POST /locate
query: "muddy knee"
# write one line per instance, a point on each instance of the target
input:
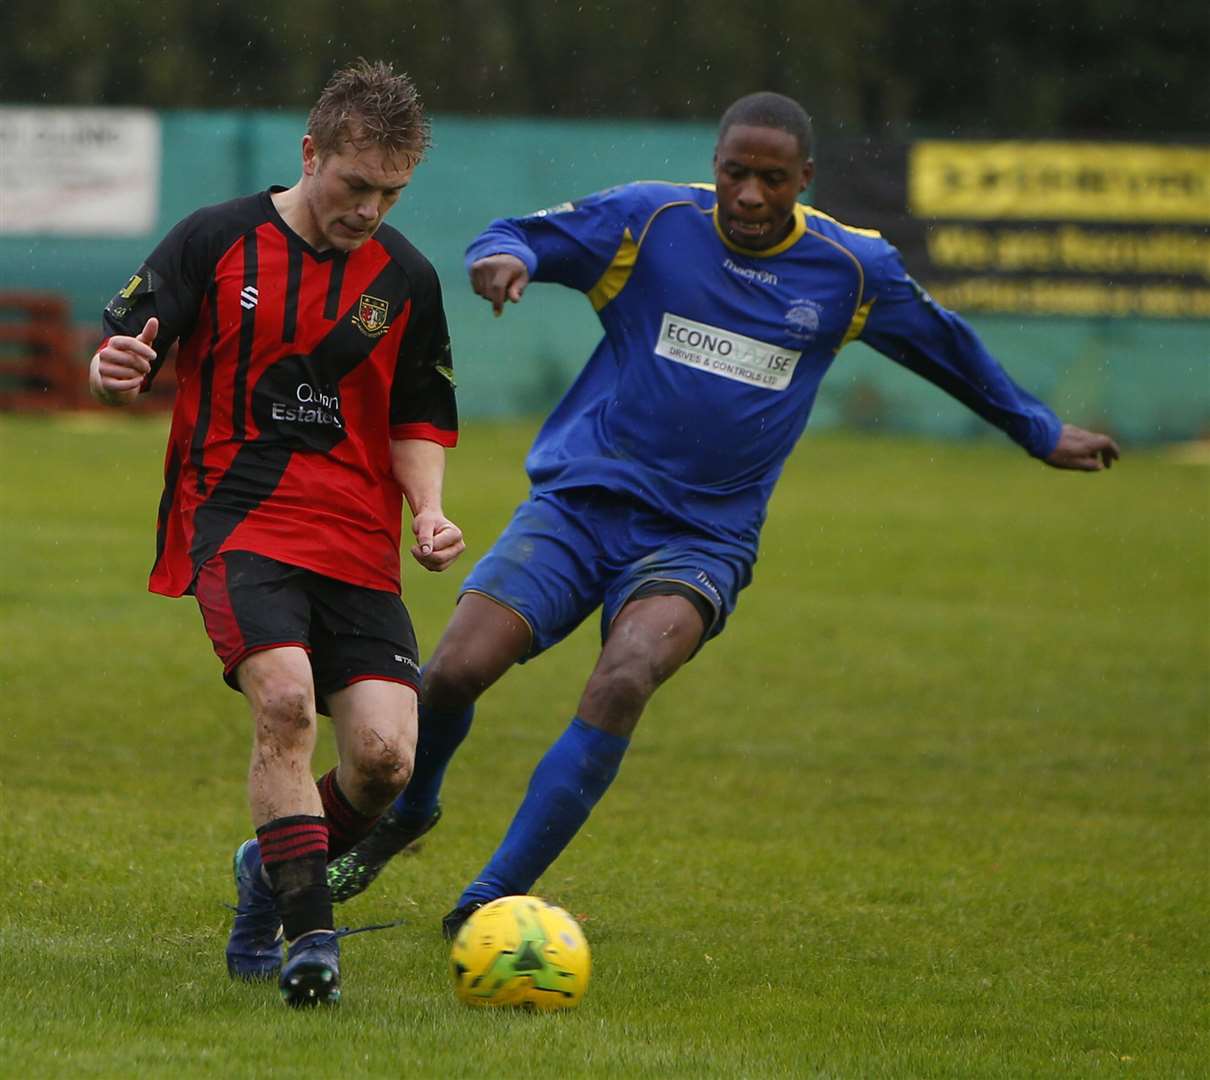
(284, 714)
(383, 769)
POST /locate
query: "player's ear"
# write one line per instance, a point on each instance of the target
(808, 174)
(310, 156)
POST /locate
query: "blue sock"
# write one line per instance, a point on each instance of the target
(566, 785)
(439, 736)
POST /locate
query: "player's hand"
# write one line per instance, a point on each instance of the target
(1086, 451)
(498, 278)
(438, 540)
(119, 368)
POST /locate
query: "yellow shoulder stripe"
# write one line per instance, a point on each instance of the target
(848, 228)
(620, 267)
(610, 283)
(857, 324)
(861, 311)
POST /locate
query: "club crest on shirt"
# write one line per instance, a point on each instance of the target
(802, 319)
(371, 315)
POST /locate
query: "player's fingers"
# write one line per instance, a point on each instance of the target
(446, 535)
(150, 329)
(423, 528)
(123, 366)
(491, 288)
(517, 287)
(443, 558)
(129, 350)
(127, 382)
(428, 559)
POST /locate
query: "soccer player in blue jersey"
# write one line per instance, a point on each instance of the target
(723, 307)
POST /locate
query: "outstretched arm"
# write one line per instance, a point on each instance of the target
(1087, 451)
(907, 325)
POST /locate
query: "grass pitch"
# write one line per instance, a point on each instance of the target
(935, 805)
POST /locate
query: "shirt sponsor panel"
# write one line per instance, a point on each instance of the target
(725, 353)
(314, 406)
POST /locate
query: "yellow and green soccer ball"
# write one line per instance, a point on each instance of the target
(520, 950)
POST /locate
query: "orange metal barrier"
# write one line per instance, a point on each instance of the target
(44, 357)
(41, 366)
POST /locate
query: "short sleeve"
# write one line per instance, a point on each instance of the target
(423, 405)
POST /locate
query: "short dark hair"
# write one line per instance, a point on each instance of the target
(766, 109)
(368, 103)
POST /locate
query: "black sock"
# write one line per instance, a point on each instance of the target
(294, 851)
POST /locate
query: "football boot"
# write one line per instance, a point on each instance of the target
(254, 948)
(311, 974)
(452, 922)
(353, 872)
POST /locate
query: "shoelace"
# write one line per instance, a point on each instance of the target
(345, 931)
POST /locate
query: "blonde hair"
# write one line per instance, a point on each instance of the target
(367, 103)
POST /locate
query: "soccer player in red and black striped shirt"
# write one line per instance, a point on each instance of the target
(314, 395)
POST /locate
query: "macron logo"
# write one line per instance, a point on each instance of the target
(248, 298)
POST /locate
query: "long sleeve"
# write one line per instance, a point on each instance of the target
(905, 324)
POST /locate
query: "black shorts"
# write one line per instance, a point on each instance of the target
(250, 603)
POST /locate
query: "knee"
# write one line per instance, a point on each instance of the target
(384, 768)
(450, 683)
(284, 713)
(616, 696)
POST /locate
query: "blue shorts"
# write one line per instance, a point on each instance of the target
(567, 552)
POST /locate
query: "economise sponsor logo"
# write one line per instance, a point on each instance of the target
(725, 353)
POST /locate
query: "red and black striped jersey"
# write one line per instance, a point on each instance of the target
(296, 368)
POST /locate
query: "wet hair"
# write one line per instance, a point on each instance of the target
(368, 104)
(769, 110)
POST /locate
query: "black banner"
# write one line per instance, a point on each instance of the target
(1081, 229)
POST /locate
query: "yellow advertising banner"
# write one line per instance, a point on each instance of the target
(1059, 181)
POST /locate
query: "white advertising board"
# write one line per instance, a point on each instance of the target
(78, 172)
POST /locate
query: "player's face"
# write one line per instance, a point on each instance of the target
(759, 172)
(349, 191)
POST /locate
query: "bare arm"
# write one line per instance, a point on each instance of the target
(419, 469)
(1087, 451)
(117, 370)
(498, 278)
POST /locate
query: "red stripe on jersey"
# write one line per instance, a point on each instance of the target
(425, 431)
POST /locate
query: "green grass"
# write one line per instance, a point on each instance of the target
(934, 806)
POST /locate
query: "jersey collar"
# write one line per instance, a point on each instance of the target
(796, 230)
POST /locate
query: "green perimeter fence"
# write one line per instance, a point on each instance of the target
(1147, 380)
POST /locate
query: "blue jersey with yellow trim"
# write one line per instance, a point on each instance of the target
(712, 354)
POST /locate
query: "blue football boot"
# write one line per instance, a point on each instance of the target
(254, 949)
(311, 975)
